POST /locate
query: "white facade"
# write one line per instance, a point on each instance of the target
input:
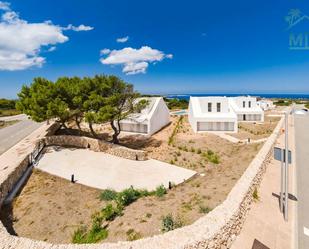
(151, 119)
(246, 109)
(266, 104)
(211, 114)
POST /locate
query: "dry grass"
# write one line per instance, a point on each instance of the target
(4, 124)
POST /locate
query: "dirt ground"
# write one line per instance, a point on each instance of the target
(50, 208)
(4, 124)
(256, 130)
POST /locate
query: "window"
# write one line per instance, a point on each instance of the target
(249, 104)
(218, 107)
(209, 107)
(244, 104)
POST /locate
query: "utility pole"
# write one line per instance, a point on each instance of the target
(286, 167)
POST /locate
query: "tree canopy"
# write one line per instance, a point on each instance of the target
(96, 100)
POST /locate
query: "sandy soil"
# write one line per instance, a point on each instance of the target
(256, 130)
(188, 201)
(50, 208)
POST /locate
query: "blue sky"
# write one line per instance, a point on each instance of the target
(189, 46)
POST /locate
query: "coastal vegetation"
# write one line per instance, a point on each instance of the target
(97, 100)
(175, 103)
(7, 107)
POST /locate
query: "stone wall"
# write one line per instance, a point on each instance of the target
(216, 230)
(96, 145)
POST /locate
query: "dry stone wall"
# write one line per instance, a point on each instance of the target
(216, 230)
(96, 145)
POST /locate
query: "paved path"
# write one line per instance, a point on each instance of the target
(302, 162)
(101, 170)
(264, 221)
(12, 134)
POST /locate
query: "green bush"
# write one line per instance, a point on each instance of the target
(127, 196)
(160, 191)
(108, 195)
(133, 235)
(204, 209)
(170, 223)
(211, 157)
(109, 212)
(95, 234)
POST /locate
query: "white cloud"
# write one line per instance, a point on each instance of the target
(122, 39)
(105, 51)
(51, 49)
(81, 27)
(134, 61)
(21, 42)
(4, 6)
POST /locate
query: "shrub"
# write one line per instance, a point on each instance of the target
(204, 209)
(171, 161)
(160, 191)
(148, 215)
(95, 234)
(109, 212)
(108, 195)
(255, 194)
(211, 157)
(199, 151)
(170, 223)
(127, 196)
(133, 235)
(192, 149)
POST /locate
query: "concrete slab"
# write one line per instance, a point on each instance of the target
(102, 171)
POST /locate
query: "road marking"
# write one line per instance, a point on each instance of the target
(306, 231)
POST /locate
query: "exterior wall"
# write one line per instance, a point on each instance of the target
(214, 100)
(239, 101)
(96, 145)
(159, 118)
(191, 118)
(216, 230)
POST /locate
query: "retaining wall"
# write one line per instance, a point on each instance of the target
(96, 145)
(215, 230)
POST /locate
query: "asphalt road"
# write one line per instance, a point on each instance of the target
(302, 162)
(12, 134)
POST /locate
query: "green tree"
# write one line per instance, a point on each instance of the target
(34, 99)
(120, 102)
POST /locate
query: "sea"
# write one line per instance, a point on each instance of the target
(261, 95)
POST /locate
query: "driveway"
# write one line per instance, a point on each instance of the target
(102, 171)
(11, 135)
(302, 162)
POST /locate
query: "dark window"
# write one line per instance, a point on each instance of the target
(249, 104)
(244, 104)
(209, 107)
(218, 107)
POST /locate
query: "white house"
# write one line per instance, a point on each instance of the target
(246, 109)
(266, 104)
(151, 119)
(211, 114)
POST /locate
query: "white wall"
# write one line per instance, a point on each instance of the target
(239, 101)
(213, 100)
(159, 118)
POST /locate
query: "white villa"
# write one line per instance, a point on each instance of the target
(211, 114)
(266, 104)
(151, 119)
(246, 109)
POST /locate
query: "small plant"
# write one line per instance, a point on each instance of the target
(95, 234)
(133, 235)
(204, 209)
(178, 153)
(127, 196)
(169, 223)
(192, 149)
(255, 194)
(108, 195)
(199, 151)
(109, 213)
(160, 191)
(148, 215)
(171, 161)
